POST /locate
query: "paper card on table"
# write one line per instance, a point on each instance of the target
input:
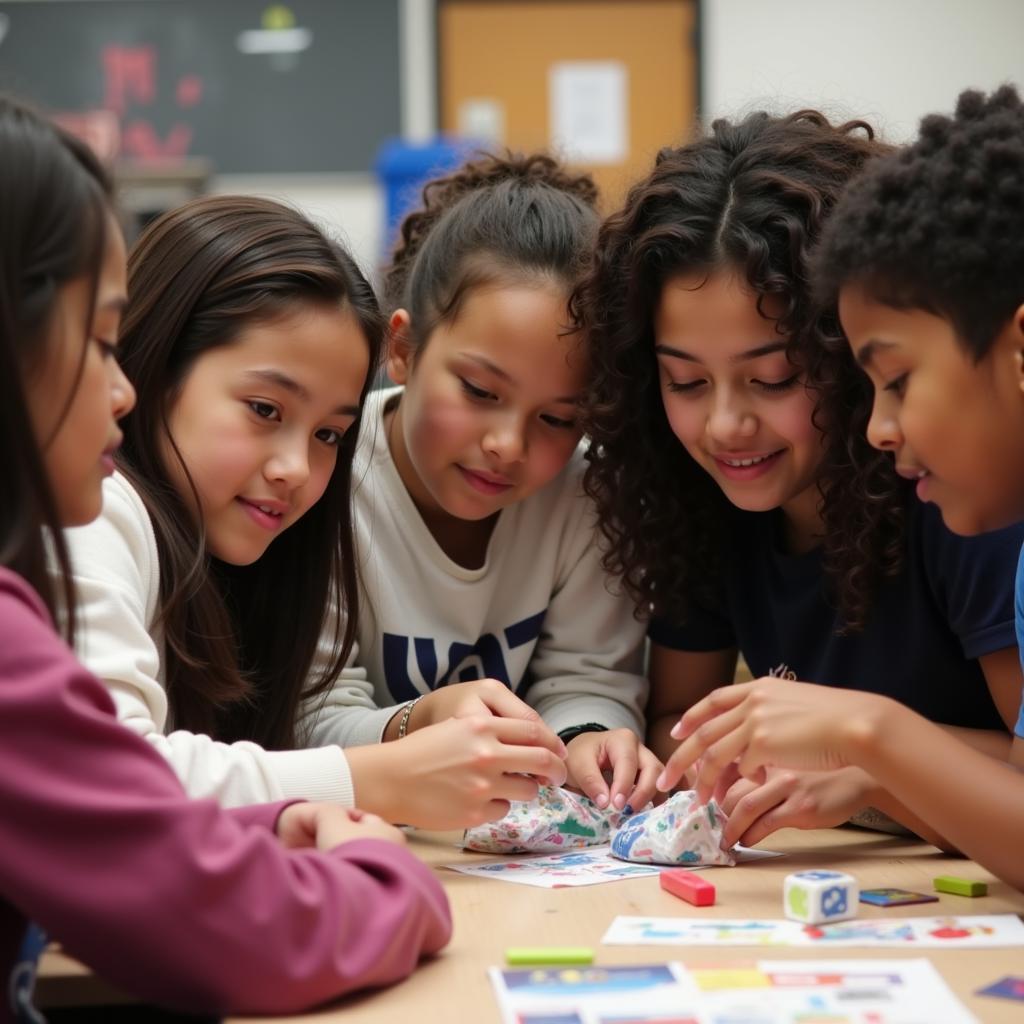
(635, 994)
(1006, 988)
(589, 866)
(768, 992)
(977, 931)
(895, 897)
(881, 991)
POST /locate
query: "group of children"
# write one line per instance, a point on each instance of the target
(426, 600)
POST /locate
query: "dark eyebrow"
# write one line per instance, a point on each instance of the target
(282, 380)
(499, 372)
(866, 353)
(114, 305)
(754, 353)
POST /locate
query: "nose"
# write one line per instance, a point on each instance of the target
(122, 393)
(884, 427)
(730, 420)
(289, 460)
(505, 439)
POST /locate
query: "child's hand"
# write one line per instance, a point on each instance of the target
(325, 826)
(465, 700)
(770, 721)
(633, 768)
(791, 799)
(458, 773)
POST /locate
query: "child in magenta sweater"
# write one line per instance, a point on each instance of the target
(198, 908)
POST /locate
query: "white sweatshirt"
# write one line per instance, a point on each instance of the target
(540, 614)
(117, 576)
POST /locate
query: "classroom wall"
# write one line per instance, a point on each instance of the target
(888, 60)
(350, 206)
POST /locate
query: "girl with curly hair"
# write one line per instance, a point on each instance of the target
(926, 255)
(743, 503)
(483, 593)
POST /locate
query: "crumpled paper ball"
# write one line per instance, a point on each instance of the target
(554, 821)
(679, 831)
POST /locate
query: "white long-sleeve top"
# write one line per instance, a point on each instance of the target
(117, 576)
(541, 614)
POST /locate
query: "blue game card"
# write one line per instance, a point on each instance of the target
(1006, 988)
(895, 897)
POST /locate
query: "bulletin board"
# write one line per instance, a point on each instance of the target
(253, 87)
(629, 66)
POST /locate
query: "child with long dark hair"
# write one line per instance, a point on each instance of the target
(743, 502)
(483, 590)
(171, 899)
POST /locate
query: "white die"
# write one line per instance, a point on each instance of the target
(815, 897)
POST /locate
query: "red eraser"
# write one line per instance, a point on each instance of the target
(688, 886)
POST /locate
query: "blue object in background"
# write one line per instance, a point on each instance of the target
(405, 167)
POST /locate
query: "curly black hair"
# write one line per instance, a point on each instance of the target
(939, 225)
(751, 195)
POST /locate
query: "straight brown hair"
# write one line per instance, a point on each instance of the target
(239, 641)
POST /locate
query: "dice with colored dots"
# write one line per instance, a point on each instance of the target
(816, 897)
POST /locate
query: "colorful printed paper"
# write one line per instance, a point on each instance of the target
(559, 870)
(574, 868)
(976, 931)
(556, 820)
(681, 831)
(767, 992)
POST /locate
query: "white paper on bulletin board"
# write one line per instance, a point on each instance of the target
(588, 108)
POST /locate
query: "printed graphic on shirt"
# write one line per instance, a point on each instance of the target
(412, 665)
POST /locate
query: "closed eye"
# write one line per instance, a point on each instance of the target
(558, 422)
(108, 349)
(474, 392)
(898, 385)
(685, 387)
(778, 386)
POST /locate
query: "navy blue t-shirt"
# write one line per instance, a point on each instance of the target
(953, 603)
(1019, 617)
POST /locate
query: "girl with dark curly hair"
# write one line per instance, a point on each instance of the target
(743, 503)
(926, 254)
(483, 588)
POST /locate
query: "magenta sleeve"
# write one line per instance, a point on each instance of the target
(174, 900)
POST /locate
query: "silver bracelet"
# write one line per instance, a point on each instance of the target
(403, 722)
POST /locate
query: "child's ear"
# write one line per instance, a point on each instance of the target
(400, 348)
(1017, 327)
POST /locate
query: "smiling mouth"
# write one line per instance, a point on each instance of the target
(484, 482)
(265, 509)
(753, 461)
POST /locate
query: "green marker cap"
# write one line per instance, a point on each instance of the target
(549, 955)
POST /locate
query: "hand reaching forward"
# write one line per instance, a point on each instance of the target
(458, 773)
(771, 722)
(633, 768)
(790, 799)
(324, 826)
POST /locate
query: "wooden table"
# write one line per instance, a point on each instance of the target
(492, 915)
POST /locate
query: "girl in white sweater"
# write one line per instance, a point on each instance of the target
(482, 585)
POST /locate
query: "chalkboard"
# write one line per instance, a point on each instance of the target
(308, 85)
